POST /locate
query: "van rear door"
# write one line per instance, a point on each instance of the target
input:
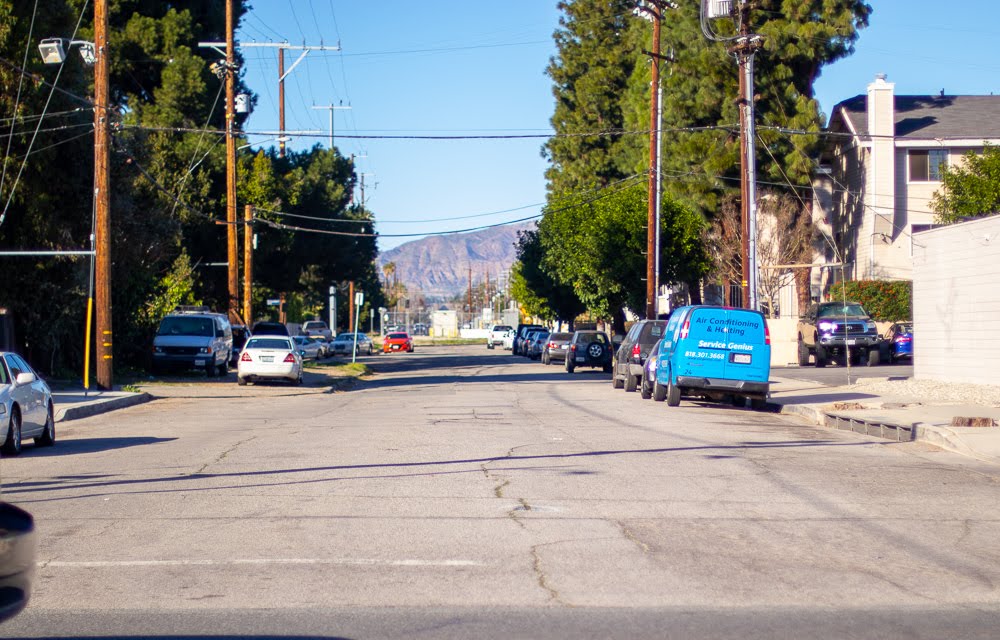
(748, 350)
(701, 345)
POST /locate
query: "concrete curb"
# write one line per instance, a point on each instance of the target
(947, 439)
(99, 407)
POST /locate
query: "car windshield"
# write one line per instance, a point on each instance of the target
(396, 336)
(904, 328)
(314, 325)
(346, 336)
(268, 343)
(181, 326)
(840, 310)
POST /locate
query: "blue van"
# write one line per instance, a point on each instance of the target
(716, 352)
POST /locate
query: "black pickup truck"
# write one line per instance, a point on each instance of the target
(837, 331)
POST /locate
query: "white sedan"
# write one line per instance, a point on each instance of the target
(269, 358)
(25, 405)
(307, 347)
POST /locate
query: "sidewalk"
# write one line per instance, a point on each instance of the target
(73, 404)
(865, 408)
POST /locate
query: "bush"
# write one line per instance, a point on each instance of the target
(886, 301)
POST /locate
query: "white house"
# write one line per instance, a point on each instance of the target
(879, 169)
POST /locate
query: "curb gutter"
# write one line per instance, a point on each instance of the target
(96, 408)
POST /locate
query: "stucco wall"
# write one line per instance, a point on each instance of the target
(956, 301)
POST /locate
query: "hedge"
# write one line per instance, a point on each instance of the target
(885, 301)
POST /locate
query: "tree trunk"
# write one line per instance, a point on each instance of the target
(694, 292)
(803, 289)
(618, 322)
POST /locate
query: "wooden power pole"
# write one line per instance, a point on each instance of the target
(232, 252)
(102, 185)
(248, 265)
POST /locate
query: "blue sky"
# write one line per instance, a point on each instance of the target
(477, 68)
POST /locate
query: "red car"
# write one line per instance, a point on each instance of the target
(397, 342)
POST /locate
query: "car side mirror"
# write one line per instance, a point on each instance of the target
(302, 352)
(25, 378)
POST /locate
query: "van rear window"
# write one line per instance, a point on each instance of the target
(725, 326)
(181, 326)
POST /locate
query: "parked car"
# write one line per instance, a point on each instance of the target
(266, 328)
(556, 347)
(497, 334)
(307, 348)
(508, 340)
(526, 342)
(398, 341)
(714, 352)
(519, 335)
(240, 336)
(649, 371)
(17, 559)
(267, 357)
(26, 409)
(633, 351)
(313, 328)
(344, 342)
(899, 342)
(321, 342)
(421, 329)
(831, 330)
(537, 344)
(589, 349)
(193, 338)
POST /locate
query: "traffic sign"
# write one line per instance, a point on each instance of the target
(273, 302)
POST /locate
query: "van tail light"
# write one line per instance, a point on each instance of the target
(685, 328)
(290, 357)
(636, 352)
(246, 357)
(767, 334)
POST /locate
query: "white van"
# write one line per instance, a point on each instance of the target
(193, 338)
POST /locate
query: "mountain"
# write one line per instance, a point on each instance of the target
(438, 266)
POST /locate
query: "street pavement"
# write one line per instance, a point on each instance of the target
(829, 401)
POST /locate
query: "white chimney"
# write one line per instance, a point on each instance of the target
(881, 107)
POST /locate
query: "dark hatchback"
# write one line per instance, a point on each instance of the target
(632, 354)
(589, 349)
(556, 347)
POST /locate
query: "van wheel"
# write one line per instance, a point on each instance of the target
(631, 382)
(210, 368)
(758, 404)
(224, 368)
(659, 392)
(673, 394)
(820, 357)
(803, 354)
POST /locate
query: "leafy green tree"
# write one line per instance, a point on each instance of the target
(589, 74)
(970, 189)
(535, 288)
(598, 247)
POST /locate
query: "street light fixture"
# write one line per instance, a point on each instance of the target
(53, 51)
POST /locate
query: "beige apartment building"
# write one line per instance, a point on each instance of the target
(879, 170)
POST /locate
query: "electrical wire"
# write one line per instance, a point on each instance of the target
(17, 100)
(48, 100)
(192, 165)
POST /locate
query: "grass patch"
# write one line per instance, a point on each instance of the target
(346, 370)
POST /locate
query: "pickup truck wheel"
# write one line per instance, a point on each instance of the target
(874, 358)
(820, 357)
(803, 354)
(631, 382)
(615, 382)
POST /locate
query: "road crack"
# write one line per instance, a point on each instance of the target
(222, 456)
(630, 535)
(542, 578)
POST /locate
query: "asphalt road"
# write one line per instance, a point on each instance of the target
(836, 376)
(466, 493)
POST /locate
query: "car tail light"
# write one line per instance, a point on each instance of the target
(636, 351)
(290, 357)
(572, 347)
(246, 357)
(685, 329)
(552, 345)
(767, 334)
(903, 339)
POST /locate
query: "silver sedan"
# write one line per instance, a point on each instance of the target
(25, 406)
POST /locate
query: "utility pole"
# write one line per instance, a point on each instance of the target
(744, 46)
(470, 295)
(102, 188)
(281, 101)
(247, 264)
(331, 108)
(652, 10)
(232, 250)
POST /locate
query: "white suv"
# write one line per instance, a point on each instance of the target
(317, 328)
(497, 334)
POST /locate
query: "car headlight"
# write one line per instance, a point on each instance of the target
(827, 326)
(870, 326)
(3, 409)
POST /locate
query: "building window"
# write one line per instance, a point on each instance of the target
(926, 164)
